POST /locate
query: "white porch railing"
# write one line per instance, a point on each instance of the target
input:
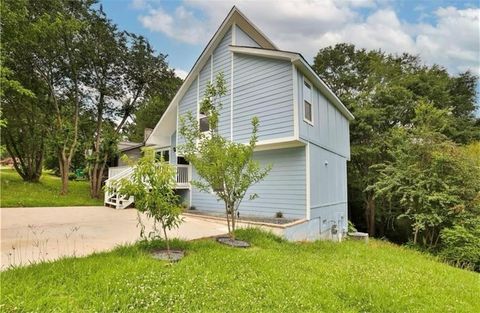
(113, 171)
(111, 196)
(183, 176)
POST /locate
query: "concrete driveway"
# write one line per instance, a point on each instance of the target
(39, 234)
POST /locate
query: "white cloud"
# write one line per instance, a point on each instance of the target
(182, 25)
(307, 26)
(381, 30)
(181, 73)
(139, 4)
(454, 41)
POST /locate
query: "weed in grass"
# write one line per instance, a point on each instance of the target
(21, 254)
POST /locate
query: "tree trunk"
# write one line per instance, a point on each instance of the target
(166, 239)
(28, 164)
(228, 218)
(64, 166)
(96, 178)
(232, 213)
(370, 215)
(95, 183)
(415, 235)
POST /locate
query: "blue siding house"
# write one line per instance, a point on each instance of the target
(303, 132)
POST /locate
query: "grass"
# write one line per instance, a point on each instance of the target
(271, 276)
(17, 193)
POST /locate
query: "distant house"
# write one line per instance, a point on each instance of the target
(303, 133)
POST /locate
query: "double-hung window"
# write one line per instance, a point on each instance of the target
(203, 122)
(307, 103)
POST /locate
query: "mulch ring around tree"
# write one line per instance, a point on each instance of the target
(164, 255)
(233, 242)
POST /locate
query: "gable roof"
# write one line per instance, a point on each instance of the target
(267, 49)
(234, 17)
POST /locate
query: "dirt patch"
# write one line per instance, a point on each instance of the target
(233, 242)
(171, 256)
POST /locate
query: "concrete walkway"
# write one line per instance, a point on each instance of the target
(37, 234)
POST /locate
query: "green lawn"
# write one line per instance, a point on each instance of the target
(17, 193)
(271, 276)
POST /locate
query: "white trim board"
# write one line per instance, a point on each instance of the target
(234, 40)
(307, 181)
(296, 127)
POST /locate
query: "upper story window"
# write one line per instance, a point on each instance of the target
(307, 103)
(203, 121)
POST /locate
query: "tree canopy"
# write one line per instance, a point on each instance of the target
(75, 81)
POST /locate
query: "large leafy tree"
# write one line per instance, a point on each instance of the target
(43, 48)
(123, 72)
(428, 178)
(104, 50)
(382, 91)
(226, 168)
(86, 79)
(21, 92)
(59, 62)
(147, 116)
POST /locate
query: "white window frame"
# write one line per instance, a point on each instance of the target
(200, 117)
(310, 101)
(162, 150)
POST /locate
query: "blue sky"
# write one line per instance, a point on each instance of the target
(444, 32)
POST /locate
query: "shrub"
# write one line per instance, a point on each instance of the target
(72, 176)
(461, 245)
(351, 227)
(152, 185)
(279, 214)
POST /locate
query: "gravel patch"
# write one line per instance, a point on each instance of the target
(172, 256)
(248, 218)
(233, 242)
